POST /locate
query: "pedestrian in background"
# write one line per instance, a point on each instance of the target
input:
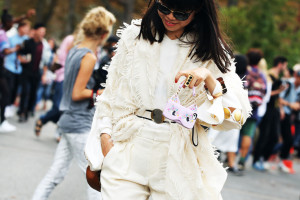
(58, 68)
(288, 105)
(296, 144)
(256, 83)
(75, 122)
(269, 127)
(36, 53)
(7, 22)
(45, 87)
(13, 66)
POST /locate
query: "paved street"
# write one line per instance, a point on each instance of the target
(24, 160)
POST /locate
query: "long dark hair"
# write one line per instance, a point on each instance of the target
(209, 42)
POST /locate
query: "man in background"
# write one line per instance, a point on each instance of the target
(35, 56)
(13, 66)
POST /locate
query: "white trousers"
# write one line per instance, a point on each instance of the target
(225, 141)
(70, 146)
(136, 170)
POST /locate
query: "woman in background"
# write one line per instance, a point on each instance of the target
(75, 122)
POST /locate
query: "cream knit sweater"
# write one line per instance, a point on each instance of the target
(192, 172)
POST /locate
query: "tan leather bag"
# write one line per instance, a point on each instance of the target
(93, 179)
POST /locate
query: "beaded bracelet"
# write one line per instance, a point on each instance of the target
(224, 89)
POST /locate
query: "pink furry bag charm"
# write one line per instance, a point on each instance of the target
(185, 116)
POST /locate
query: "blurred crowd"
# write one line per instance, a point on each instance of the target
(272, 133)
(32, 70)
(32, 73)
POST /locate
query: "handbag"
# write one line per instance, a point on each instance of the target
(93, 179)
(185, 116)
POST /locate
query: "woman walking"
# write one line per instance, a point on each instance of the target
(75, 122)
(145, 154)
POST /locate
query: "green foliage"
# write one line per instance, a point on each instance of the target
(269, 25)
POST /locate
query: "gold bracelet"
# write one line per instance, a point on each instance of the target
(217, 95)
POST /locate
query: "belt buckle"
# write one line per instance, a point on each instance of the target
(157, 116)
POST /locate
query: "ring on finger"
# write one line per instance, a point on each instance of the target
(188, 80)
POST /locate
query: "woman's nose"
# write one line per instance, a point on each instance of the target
(171, 16)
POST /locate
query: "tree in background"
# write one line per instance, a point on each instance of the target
(272, 26)
(42, 14)
(61, 17)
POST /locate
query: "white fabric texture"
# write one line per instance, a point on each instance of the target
(131, 87)
(71, 146)
(168, 53)
(263, 107)
(225, 141)
(146, 151)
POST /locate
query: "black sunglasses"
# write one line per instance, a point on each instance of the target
(181, 16)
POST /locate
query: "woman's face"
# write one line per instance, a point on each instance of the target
(174, 27)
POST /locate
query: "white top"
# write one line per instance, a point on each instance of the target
(168, 53)
(263, 107)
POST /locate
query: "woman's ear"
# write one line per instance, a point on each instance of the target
(103, 38)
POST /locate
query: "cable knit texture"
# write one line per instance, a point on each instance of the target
(192, 172)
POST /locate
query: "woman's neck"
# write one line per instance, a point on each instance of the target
(174, 35)
(90, 44)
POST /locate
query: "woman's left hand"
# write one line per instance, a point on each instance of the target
(199, 75)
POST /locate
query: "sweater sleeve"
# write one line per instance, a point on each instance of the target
(116, 102)
(230, 110)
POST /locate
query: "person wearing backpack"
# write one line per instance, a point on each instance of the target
(257, 87)
(269, 126)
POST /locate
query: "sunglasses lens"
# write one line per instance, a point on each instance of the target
(181, 16)
(163, 9)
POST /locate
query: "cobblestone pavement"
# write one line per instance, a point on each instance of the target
(24, 160)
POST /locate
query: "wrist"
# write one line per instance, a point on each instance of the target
(210, 82)
(105, 137)
(209, 78)
(218, 91)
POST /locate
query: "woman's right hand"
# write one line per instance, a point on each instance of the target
(106, 143)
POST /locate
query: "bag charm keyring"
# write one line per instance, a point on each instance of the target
(185, 116)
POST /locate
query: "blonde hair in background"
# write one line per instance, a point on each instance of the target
(97, 22)
(263, 66)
